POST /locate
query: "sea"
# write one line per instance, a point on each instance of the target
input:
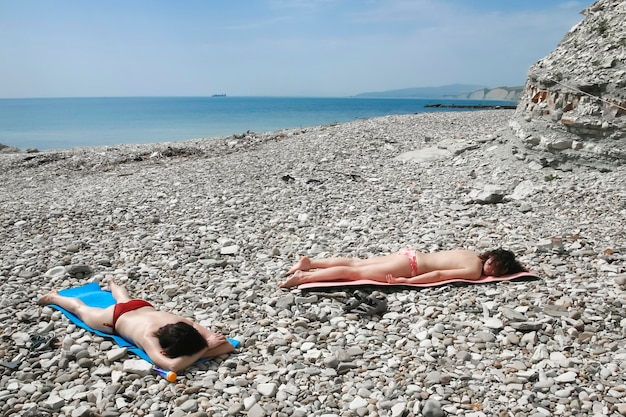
(61, 123)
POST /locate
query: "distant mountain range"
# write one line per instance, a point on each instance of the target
(458, 91)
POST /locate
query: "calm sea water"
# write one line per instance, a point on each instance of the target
(58, 123)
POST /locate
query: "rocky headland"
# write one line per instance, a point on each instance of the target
(207, 229)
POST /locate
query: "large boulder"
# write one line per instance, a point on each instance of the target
(573, 107)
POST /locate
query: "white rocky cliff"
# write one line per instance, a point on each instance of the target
(573, 108)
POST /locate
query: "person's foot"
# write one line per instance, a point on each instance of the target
(293, 281)
(304, 264)
(112, 285)
(48, 298)
(109, 282)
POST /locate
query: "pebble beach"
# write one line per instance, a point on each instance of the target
(207, 229)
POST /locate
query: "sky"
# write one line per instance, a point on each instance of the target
(311, 48)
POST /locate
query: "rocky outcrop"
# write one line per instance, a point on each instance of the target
(573, 108)
(8, 149)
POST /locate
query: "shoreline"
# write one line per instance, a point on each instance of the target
(113, 121)
(477, 106)
(207, 229)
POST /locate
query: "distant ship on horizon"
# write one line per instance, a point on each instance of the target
(218, 95)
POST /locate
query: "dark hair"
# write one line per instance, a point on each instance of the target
(180, 339)
(504, 262)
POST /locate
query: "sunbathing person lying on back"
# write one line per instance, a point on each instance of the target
(172, 342)
(406, 266)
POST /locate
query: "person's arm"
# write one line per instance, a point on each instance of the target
(442, 275)
(214, 340)
(217, 344)
(154, 350)
(152, 347)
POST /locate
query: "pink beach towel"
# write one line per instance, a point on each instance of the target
(482, 280)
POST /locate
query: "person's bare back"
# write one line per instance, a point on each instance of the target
(138, 325)
(460, 259)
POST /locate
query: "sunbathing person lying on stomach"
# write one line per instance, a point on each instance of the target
(406, 266)
(172, 342)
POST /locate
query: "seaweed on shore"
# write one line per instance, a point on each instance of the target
(168, 152)
(42, 159)
(77, 161)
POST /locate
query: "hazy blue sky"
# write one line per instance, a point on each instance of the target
(78, 48)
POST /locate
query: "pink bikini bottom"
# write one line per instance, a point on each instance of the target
(412, 256)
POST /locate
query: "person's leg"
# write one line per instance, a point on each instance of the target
(118, 292)
(305, 263)
(96, 318)
(377, 269)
